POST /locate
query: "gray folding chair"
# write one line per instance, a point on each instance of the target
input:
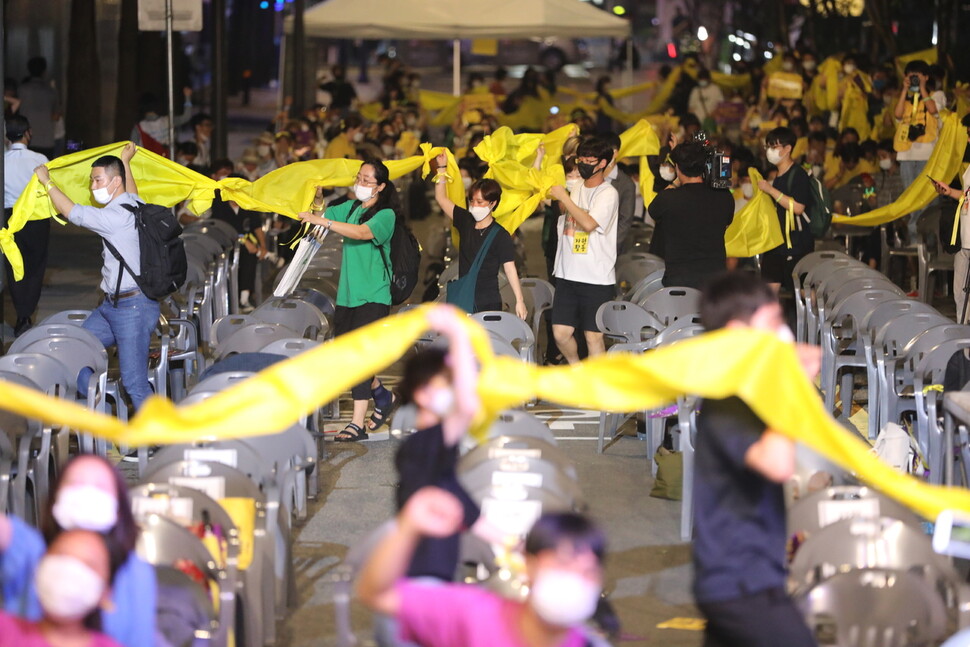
(812, 279)
(517, 423)
(224, 327)
(514, 330)
(72, 317)
(631, 272)
(802, 298)
(816, 510)
(302, 316)
(668, 305)
(626, 322)
(251, 338)
(647, 286)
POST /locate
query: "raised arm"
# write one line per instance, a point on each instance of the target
(441, 187)
(126, 154)
(429, 512)
(464, 369)
(62, 203)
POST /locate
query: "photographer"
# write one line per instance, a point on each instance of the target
(916, 129)
(791, 190)
(691, 221)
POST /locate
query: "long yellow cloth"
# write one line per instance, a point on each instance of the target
(641, 140)
(944, 163)
(287, 191)
(757, 367)
(755, 228)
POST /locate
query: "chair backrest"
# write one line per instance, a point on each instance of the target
(809, 261)
(213, 248)
(302, 316)
(49, 374)
(517, 423)
(197, 506)
(633, 271)
(251, 338)
(47, 331)
(323, 301)
(224, 233)
(647, 286)
(542, 292)
(224, 327)
(214, 383)
(886, 312)
(670, 304)
(858, 305)
(895, 336)
(833, 294)
(72, 317)
(73, 353)
(507, 326)
(626, 322)
(290, 346)
(930, 338)
(678, 331)
(814, 511)
(231, 481)
(515, 447)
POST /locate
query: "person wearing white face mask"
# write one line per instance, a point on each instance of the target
(480, 235)
(366, 223)
(90, 495)
(73, 583)
(739, 583)
(125, 318)
(704, 99)
(793, 195)
(564, 563)
(344, 145)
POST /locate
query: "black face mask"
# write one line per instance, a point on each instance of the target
(586, 171)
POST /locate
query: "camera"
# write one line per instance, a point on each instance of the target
(913, 83)
(717, 165)
(916, 131)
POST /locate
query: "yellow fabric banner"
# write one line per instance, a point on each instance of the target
(944, 163)
(757, 367)
(755, 227)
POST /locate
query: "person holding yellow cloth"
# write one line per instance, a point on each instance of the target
(961, 260)
(364, 292)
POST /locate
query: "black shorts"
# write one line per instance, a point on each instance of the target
(346, 320)
(575, 303)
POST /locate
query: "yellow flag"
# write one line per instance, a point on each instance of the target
(755, 227)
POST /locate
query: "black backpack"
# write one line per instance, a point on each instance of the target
(163, 263)
(404, 261)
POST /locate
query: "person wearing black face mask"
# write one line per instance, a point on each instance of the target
(690, 222)
(586, 253)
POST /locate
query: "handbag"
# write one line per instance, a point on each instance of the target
(461, 291)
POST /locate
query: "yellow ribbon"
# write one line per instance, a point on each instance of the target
(956, 221)
(757, 367)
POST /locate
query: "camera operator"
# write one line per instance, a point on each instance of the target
(916, 128)
(791, 190)
(691, 221)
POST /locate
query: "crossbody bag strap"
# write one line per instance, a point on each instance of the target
(483, 250)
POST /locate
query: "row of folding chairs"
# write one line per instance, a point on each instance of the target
(866, 326)
(864, 572)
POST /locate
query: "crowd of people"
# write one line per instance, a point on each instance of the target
(846, 136)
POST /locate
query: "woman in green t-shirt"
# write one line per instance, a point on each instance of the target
(364, 291)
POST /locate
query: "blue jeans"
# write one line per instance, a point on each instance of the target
(909, 171)
(129, 326)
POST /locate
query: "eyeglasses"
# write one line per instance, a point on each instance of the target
(365, 181)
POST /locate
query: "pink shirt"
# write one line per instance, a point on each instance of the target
(17, 632)
(461, 615)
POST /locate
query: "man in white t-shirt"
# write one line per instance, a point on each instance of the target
(961, 261)
(586, 253)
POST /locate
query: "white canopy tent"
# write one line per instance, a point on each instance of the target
(457, 19)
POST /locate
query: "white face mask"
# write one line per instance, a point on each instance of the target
(788, 66)
(358, 137)
(667, 173)
(747, 190)
(563, 598)
(363, 193)
(466, 182)
(808, 64)
(479, 213)
(387, 150)
(773, 155)
(848, 68)
(102, 195)
(67, 588)
(784, 333)
(572, 183)
(755, 122)
(704, 83)
(262, 150)
(85, 507)
(441, 401)
(885, 163)
(817, 171)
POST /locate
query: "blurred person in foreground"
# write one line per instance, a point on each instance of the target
(564, 563)
(739, 508)
(74, 584)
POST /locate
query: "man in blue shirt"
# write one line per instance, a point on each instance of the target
(739, 509)
(125, 317)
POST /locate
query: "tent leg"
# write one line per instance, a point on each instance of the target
(456, 67)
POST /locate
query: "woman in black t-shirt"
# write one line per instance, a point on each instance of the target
(474, 225)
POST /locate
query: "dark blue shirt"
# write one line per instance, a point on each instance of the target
(739, 516)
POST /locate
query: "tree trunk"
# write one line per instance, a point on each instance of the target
(126, 103)
(83, 105)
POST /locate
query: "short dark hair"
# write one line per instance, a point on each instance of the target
(187, 148)
(419, 370)
(887, 144)
(690, 158)
(919, 66)
(553, 529)
(112, 166)
(612, 139)
(17, 127)
(851, 152)
(37, 66)
(594, 146)
(350, 122)
(197, 119)
(490, 189)
(222, 163)
(733, 296)
(781, 136)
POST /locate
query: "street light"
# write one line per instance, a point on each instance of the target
(702, 33)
